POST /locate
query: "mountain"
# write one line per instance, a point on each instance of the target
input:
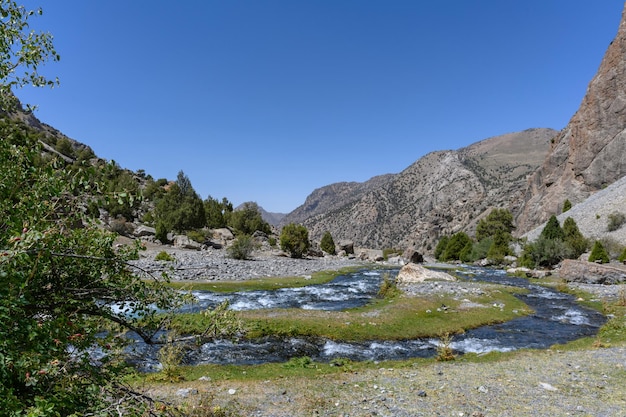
(590, 152)
(441, 193)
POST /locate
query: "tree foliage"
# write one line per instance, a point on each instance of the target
(498, 221)
(575, 240)
(598, 253)
(217, 213)
(552, 229)
(22, 53)
(248, 219)
(181, 208)
(457, 247)
(327, 244)
(567, 205)
(61, 281)
(294, 238)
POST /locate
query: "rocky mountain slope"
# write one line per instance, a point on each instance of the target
(443, 192)
(590, 153)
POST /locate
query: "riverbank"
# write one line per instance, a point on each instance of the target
(525, 383)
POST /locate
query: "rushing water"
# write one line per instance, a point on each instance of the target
(557, 318)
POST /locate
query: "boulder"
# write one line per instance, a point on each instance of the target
(346, 245)
(591, 273)
(414, 273)
(183, 242)
(223, 234)
(143, 230)
(413, 256)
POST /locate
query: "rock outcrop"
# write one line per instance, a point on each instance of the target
(590, 153)
(591, 273)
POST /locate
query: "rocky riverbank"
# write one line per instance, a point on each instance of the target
(215, 265)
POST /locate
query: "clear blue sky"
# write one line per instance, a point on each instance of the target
(266, 100)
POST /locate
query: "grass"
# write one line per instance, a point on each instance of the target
(394, 318)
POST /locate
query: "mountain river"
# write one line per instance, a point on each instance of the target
(557, 318)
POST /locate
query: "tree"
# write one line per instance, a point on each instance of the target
(181, 209)
(248, 219)
(458, 242)
(61, 282)
(242, 247)
(217, 212)
(22, 53)
(567, 205)
(552, 229)
(294, 238)
(598, 253)
(574, 238)
(441, 247)
(497, 221)
(327, 243)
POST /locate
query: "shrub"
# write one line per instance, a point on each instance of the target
(622, 256)
(161, 232)
(388, 288)
(196, 235)
(241, 247)
(598, 253)
(441, 247)
(544, 252)
(567, 205)
(328, 244)
(294, 239)
(164, 256)
(616, 220)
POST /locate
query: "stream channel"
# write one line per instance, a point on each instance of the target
(557, 318)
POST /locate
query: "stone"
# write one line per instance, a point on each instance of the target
(144, 230)
(413, 256)
(414, 273)
(183, 242)
(346, 245)
(224, 234)
(186, 392)
(591, 273)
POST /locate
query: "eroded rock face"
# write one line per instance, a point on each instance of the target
(591, 273)
(590, 153)
(413, 273)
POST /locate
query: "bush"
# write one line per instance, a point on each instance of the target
(441, 247)
(164, 256)
(616, 220)
(294, 239)
(544, 252)
(567, 205)
(622, 256)
(241, 247)
(598, 253)
(328, 244)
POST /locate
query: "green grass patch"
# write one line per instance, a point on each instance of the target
(383, 319)
(261, 284)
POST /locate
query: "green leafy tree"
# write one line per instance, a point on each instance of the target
(248, 219)
(61, 282)
(181, 209)
(294, 238)
(598, 253)
(22, 53)
(217, 213)
(497, 221)
(327, 243)
(622, 256)
(458, 242)
(574, 238)
(552, 229)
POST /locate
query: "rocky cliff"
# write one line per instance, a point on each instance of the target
(443, 192)
(590, 152)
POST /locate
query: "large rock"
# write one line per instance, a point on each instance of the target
(143, 231)
(591, 273)
(588, 154)
(414, 273)
(346, 245)
(413, 256)
(183, 242)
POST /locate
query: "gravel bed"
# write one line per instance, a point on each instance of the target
(215, 265)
